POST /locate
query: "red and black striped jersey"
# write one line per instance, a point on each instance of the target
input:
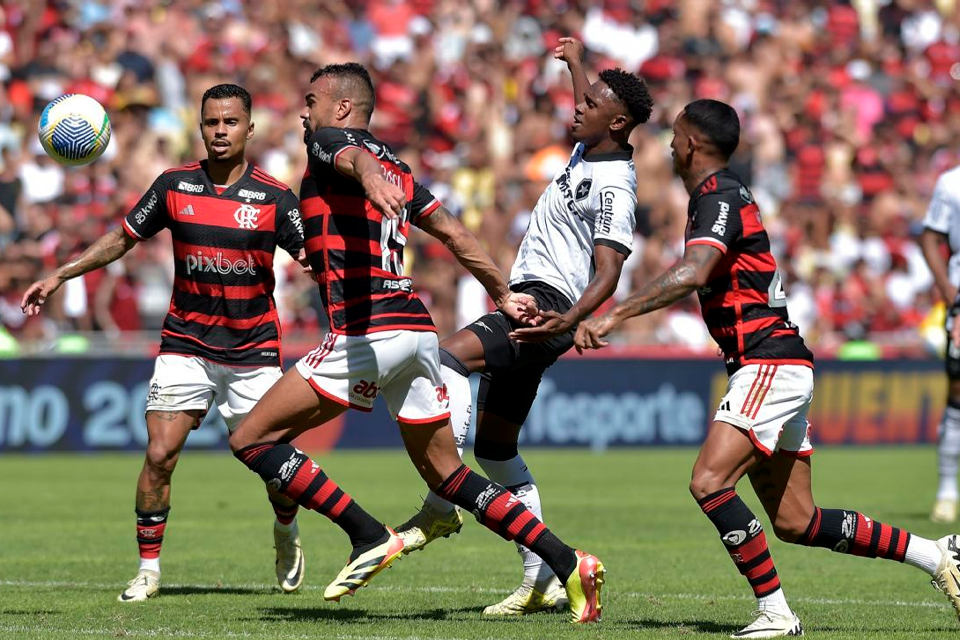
(743, 301)
(222, 307)
(355, 251)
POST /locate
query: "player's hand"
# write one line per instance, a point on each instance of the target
(551, 325)
(305, 265)
(521, 307)
(38, 293)
(570, 50)
(590, 332)
(386, 197)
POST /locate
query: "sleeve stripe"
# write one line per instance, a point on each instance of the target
(130, 230)
(708, 241)
(432, 206)
(619, 247)
(333, 160)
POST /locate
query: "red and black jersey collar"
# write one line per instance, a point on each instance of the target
(233, 188)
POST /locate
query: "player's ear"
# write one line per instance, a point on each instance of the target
(250, 131)
(344, 108)
(618, 122)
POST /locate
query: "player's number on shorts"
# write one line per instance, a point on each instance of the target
(392, 242)
(776, 296)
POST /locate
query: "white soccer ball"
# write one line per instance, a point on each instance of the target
(74, 129)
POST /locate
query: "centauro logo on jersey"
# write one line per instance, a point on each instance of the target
(192, 188)
(605, 219)
(720, 226)
(218, 264)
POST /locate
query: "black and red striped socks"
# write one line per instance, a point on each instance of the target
(292, 473)
(285, 514)
(743, 536)
(504, 514)
(852, 532)
(150, 528)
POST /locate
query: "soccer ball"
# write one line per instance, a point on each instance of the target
(74, 129)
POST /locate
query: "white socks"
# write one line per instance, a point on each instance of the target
(923, 554)
(152, 564)
(948, 453)
(514, 475)
(775, 602)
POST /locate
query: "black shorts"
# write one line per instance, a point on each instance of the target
(953, 360)
(511, 377)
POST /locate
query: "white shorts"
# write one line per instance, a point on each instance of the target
(402, 366)
(770, 402)
(184, 383)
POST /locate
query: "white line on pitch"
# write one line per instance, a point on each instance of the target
(213, 588)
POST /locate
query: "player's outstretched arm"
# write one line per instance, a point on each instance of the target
(571, 51)
(466, 248)
(930, 245)
(388, 198)
(101, 253)
(675, 283)
(609, 264)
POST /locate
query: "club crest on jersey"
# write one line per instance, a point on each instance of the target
(246, 216)
(583, 189)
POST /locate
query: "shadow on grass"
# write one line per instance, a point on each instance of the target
(193, 590)
(699, 626)
(289, 614)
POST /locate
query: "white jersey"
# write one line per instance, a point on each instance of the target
(943, 216)
(593, 201)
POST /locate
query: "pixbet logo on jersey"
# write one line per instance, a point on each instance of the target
(246, 216)
(218, 264)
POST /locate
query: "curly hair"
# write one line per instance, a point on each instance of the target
(631, 90)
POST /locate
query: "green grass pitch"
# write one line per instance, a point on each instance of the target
(67, 547)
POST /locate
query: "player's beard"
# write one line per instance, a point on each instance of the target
(307, 131)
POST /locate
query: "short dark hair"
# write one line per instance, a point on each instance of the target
(224, 91)
(355, 79)
(631, 90)
(716, 120)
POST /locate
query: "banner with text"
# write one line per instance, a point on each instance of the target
(83, 404)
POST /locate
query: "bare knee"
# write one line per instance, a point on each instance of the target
(161, 459)
(705, 482)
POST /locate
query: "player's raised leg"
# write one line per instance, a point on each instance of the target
(428, 438)
(262, 442)
(724, 458)
(948, 444)
(438, 518)
(783, 484)
(238, 391)
(166, 433)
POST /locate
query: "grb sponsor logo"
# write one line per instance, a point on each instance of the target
(252, 195)
(720, 226)
(200, 263)
(148, 207)
(405, 284)
(246, 216)
(190, 188)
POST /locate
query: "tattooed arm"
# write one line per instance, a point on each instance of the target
(675, 283)
(101, 253)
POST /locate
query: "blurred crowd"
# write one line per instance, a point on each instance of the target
(849, 108)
